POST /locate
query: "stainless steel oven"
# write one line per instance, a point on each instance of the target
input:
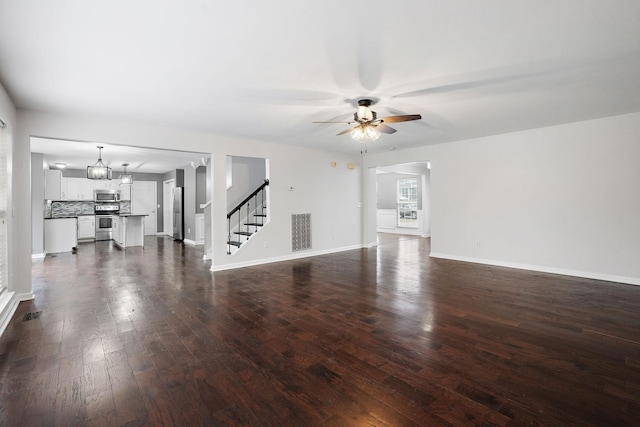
(105, 216)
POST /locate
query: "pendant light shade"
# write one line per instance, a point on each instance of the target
(99, 170)
(125, 178)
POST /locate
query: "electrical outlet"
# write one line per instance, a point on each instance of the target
(477, 243)
(266, 244)
(188, 230)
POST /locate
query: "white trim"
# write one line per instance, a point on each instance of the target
(38, 257)
(407, 231)
(283, 258)
(27, 296)
(189, 242)
(552, 270)
(8, 306)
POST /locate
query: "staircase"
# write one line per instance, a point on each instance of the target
(246, 219)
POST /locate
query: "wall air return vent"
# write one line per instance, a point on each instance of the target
(300, 232)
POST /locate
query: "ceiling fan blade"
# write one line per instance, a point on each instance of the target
(405, 118)
(385, 129)
(347, 131)
(335, 122)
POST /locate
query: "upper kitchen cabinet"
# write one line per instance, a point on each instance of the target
(105, 184)
(78, 188)
(125, 191)
(52, 184)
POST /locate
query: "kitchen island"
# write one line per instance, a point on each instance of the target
(128, 230)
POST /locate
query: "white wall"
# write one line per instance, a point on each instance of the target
(37, 199)
(19, 216)
(248, 173)
(561, 199)
(330, 194)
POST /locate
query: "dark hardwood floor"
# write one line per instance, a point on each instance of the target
(385, 336)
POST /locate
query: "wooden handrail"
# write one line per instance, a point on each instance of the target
(237, 208)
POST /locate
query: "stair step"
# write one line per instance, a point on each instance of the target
(234, 243)
(255, 224)
(242, 233)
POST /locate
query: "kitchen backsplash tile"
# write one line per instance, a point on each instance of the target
(62, 209)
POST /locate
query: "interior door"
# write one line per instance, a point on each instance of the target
(144, 202)
(167, 206)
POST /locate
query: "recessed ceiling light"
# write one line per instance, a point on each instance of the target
(392, 148)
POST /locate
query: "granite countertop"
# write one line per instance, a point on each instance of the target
(61, 217)
(128, 214)
(67, 216)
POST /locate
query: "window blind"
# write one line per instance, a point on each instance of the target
(4, 217)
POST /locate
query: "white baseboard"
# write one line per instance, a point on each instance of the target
(542, 269)
(298, 255)
(37, 257)
(193, 242)
(27, 296)
(409, 231)
(8, 306)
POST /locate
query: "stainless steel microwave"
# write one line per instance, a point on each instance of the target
(106, 195)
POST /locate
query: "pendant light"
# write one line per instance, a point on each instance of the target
(99, 170)
(125, 178)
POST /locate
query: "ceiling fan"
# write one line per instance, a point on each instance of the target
(369, 126)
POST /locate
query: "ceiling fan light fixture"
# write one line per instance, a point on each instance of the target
(358, 134)
(99, 170)
(125, 178)
(365, 132)
(364, 113)
(372, 133)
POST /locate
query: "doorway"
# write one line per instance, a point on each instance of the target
(402, 199)
(167, 206)
(144, 202)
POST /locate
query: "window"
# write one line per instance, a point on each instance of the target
(4, 217)
(408, 202)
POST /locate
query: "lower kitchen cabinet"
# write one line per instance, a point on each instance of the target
(60, 235)
(86, 227)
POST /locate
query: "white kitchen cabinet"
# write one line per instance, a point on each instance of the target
(80, 189)
(52, 184)
(64, 188)
(87, 189)
(74, 188)
(125, 191)
(86, 227)
(60, 235)
(117, 231)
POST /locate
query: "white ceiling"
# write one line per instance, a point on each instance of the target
(266, 70)
(79, 155)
